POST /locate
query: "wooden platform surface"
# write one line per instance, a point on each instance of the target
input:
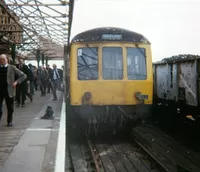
(10, 136)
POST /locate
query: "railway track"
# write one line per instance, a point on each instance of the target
(145, 149)
(111, 154)
(124, 155)
(81, 154)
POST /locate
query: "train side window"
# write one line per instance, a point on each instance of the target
(87, 63)
(136, 63)
(112, 62)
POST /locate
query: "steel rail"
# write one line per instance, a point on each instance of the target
(93, 156)
(152, 156)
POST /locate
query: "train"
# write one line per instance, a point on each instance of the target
(177, 86)
(110, 80)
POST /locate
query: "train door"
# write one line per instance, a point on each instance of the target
(172, 82)
(154, 81)
(160, 80)
(188, 82)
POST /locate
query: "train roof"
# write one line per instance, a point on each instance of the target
(110, 34)
(178, 59)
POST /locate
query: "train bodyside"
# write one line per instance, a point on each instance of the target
(177, 83)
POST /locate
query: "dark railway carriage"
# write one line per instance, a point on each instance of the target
(177, 84)
(111, 79)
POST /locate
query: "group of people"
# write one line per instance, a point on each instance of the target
(16, 79)
(48, 80)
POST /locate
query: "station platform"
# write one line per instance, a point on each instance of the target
(30, 145)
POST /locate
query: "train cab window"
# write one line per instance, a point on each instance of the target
(136, 63)
(112, 62)
(87, 63)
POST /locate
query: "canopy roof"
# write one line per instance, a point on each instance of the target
(34, 25)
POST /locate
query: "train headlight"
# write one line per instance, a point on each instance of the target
(87, 96)
(141, 96)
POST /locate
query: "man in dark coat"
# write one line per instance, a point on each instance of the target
(49, 84)
(7, 86)
(31, 78)
(22, 89)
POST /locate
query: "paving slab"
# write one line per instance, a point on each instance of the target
(25, 147)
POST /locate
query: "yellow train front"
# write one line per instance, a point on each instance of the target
(110, 77)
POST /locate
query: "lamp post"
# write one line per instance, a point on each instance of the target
(42, 59)
(13, 52)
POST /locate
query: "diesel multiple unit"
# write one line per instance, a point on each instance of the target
(111, 77)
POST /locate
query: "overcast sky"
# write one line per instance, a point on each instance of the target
(172, 26)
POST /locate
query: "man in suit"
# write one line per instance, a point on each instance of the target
(7, 86)
(60, 71)
(55, 78)
(31, 79)
(43, 77)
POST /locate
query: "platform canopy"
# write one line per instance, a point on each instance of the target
(36, 26)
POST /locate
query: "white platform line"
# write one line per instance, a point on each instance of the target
(42, 129)
(60, 153)
(40, 118)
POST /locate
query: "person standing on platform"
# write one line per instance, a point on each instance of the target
(7, 86)
(60, 71)
(55, 78)
(31, 79)
(22, 89)
(43, 77)
(49, 84)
